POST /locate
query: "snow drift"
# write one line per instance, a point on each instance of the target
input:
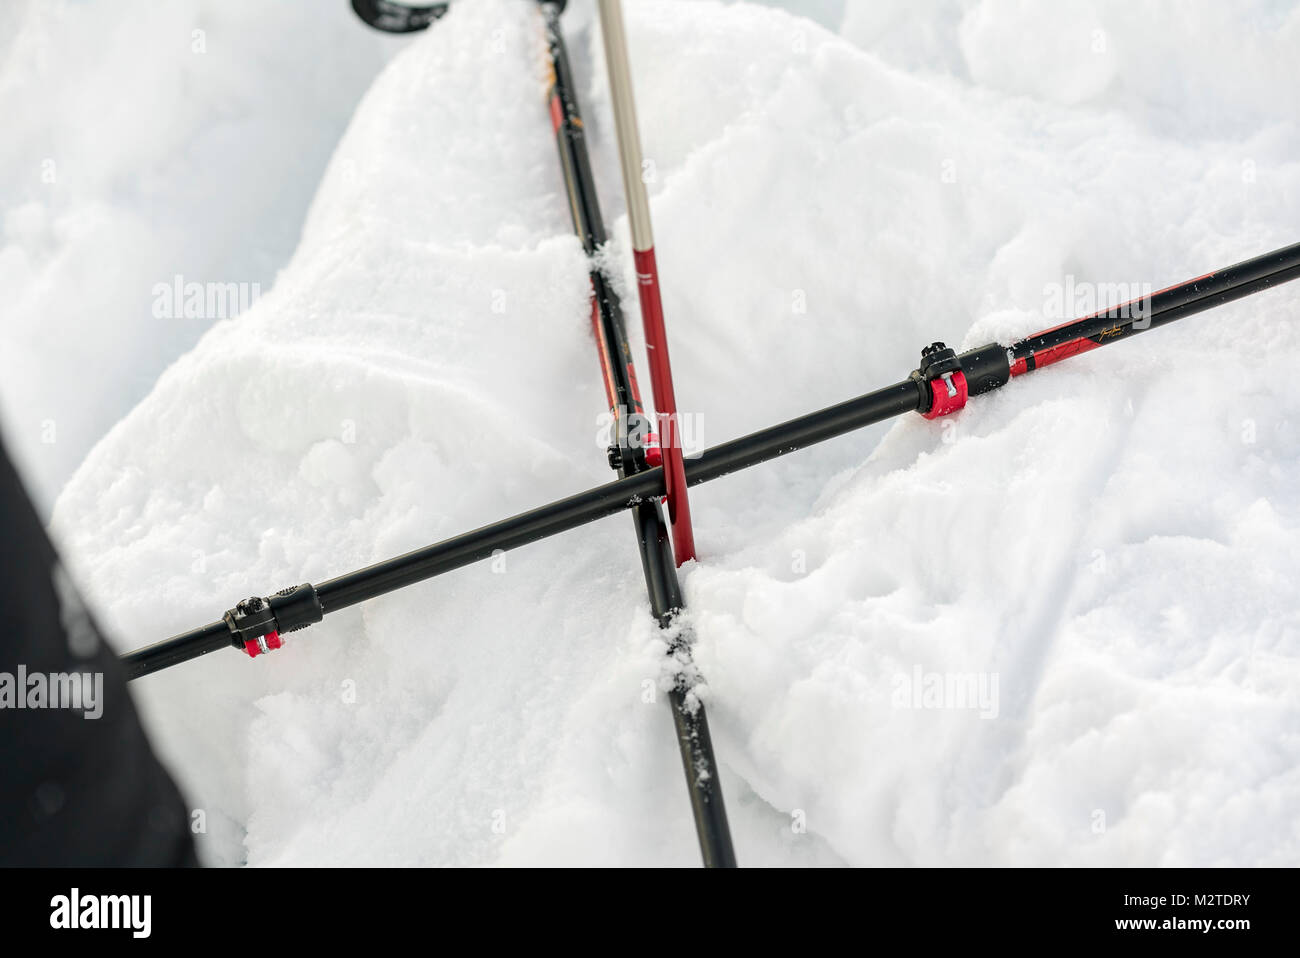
(1102, 552)
(145, 141)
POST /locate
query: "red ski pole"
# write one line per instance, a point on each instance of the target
(647, 275)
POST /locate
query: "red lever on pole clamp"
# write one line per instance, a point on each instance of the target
(263, 644)
(947, 394)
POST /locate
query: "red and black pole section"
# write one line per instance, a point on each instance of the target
(952, 378)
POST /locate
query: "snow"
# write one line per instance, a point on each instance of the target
(146, 141)
(1107, 544)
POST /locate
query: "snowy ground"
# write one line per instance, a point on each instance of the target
(1107, 545)
(144, 141)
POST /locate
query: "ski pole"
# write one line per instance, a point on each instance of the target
(647, 275)
(981, 370)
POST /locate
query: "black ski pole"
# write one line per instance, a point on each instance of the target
(979, 370)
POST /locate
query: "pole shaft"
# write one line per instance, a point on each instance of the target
(1173, 302)
(647, 275)
(625, 125)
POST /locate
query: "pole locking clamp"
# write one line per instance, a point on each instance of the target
(257, 624)
(941, 372)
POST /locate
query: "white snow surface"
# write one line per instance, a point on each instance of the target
(145, 141)
(1109, 543)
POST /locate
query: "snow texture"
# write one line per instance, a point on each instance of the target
(1061, 627)
(145, 141)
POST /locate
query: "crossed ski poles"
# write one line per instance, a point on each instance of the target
(942, 384)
